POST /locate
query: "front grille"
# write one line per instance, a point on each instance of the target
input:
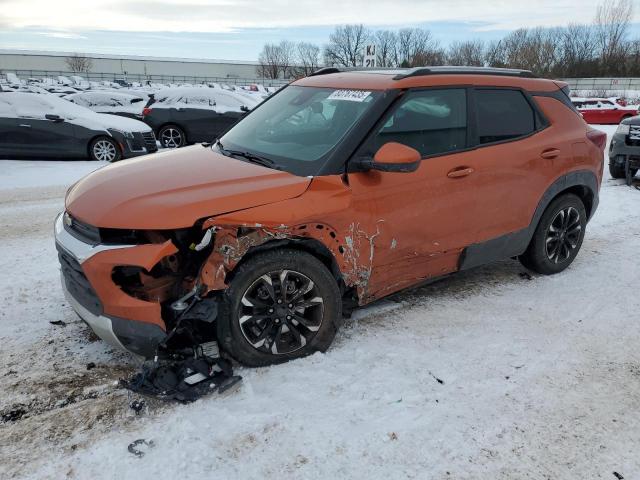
(633, 138)
(77, 283)
(150, 141)
(108, 236)
(82, 231)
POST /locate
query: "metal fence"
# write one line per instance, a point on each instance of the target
(143, 79)
(597, 86)
(605, 86)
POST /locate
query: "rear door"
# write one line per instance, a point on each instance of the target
(609, 113)
(591, 112)
(197, 114)
(513, 159)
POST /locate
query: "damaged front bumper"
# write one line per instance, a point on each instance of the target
(80, 261)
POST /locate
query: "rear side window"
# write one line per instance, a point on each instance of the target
(503, 115)
(431, 121)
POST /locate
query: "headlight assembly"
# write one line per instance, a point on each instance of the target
(623, 129)
(122, 132)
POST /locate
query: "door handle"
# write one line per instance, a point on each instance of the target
(550, 153)
(460, 172)
(24, 125)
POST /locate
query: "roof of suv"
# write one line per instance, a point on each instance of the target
(384, 79)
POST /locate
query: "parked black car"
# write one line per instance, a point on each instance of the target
(180, 116)
(114, 103)
(624, 150)
(36, 125)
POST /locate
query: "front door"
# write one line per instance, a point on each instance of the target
(415, 225)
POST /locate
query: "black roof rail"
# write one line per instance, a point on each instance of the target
(508, 72)
(325, 71)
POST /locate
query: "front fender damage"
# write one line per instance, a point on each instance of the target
(353, 252)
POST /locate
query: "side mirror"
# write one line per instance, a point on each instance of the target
(394, 157)
(54, 118)
(244, 108)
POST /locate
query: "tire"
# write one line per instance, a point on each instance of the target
(616, 169)
(568, 217)
(172, 136)
(105, 149)
(257, 330)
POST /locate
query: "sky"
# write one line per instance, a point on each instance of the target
(237, 29)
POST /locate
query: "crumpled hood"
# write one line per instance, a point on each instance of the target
(175, 188)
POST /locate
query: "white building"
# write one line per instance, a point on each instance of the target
(37, 64)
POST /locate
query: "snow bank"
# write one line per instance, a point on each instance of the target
(483, 375)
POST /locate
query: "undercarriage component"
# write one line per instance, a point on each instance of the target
(184, 378)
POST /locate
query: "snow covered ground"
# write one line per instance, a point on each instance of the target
(484, 375)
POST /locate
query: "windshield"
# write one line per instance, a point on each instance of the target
(300, 127)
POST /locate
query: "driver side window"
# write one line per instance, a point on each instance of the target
(431, 121)
(29, 106)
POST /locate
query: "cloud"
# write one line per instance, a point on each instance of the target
(230, 15)
(67, 35)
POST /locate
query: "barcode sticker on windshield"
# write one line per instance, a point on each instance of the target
(350, 95)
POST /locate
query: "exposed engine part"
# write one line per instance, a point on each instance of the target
(206, 240)
(182, 304)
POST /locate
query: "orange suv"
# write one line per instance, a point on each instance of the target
(342, 188)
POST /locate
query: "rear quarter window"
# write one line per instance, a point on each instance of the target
(503, 115)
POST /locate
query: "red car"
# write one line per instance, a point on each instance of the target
(603, 111)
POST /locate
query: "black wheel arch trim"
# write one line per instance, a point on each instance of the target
(515, 243)
(311, 246)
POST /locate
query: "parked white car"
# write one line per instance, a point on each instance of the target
(116, 103)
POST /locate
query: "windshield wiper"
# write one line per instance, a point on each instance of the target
(252, 157)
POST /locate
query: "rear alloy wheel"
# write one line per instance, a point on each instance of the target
(563, 235)
(171, 136)
(558, 236)
(105, 149)
(281, 304)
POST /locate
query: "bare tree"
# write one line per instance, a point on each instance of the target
(467, 53)
(78, 63)
(386, 44)
(307, 59)
(612, 24)
(287, 56)
(494, 54)
(346, 46)
(417, 47)
(577, 45)
(269, 62)
(633, 58)
(541, 50)
(275, 61)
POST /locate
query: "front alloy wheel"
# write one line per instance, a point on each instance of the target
(104, 150)
(281, 312)
(281, 304)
